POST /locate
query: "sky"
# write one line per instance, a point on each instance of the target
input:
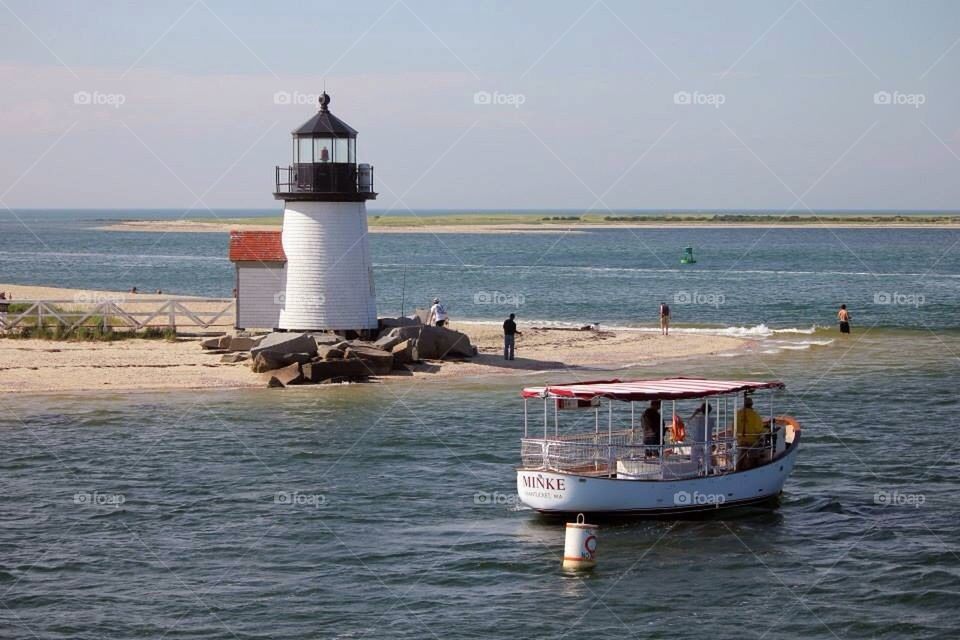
(594, 105)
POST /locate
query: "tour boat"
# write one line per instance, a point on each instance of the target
(581, 465)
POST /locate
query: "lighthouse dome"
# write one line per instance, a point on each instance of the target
(325, 123)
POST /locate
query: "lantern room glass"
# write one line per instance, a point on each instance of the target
(325, 149)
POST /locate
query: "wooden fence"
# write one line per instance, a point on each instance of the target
(121, 314)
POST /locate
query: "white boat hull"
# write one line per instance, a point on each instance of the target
(555, 492)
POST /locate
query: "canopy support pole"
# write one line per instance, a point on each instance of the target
(736, 443)
(610, 421)
(556, 417)
(524, 417)
(773, 428)
(545, 417)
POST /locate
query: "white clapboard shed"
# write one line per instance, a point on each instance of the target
(261, 278)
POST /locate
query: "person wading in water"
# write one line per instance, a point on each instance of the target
(844, 317)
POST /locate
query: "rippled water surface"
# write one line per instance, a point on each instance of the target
(388, 511)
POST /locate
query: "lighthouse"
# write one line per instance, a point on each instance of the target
(328, 273)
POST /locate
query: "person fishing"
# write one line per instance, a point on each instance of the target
(438, 314)
(510, 334)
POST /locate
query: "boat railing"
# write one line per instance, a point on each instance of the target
(624, 455)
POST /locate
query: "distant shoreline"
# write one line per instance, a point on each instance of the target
(554, 224)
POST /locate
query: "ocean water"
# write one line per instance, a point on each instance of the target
(389, 511)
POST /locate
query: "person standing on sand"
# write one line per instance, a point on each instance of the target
(844, 317)
(664, 319)
(510, 334)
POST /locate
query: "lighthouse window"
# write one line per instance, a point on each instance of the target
(323, 150)
(305, 151)
(340, 150)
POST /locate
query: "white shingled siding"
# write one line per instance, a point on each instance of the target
(260, 293)
(329, 270)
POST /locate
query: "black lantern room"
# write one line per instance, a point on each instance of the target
(324, 165)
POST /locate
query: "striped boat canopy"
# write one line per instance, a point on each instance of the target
(665, 389)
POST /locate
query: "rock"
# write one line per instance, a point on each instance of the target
(224, 342)
(233, 358)
(274, 383)
(242, 343)
(422, 315)
(387, 341)
(402, 321)
(329, 353)
(342, 345)
(280, 342)
(288, 375)
(404, 352)
(210, 343)
(377, 361)
(299, 358)
(326, 339)
(267, 362)
(320, 371)
(437, 343)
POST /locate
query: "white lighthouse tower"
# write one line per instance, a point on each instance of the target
(329, 273)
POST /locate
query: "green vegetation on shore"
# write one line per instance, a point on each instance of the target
(693, 219)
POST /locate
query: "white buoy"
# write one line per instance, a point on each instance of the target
(580, 545)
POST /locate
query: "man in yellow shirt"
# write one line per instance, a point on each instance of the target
(749, 429)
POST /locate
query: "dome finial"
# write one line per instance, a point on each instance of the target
(324, 101)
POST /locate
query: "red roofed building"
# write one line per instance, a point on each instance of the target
(256, 246)
(261, 278)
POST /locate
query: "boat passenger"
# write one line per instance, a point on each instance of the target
(651, 422)
(698, 432)
(749, 430)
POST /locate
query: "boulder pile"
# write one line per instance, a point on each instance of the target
(283, 358)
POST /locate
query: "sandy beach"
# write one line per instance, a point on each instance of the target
(192, 226)
(49, 366)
